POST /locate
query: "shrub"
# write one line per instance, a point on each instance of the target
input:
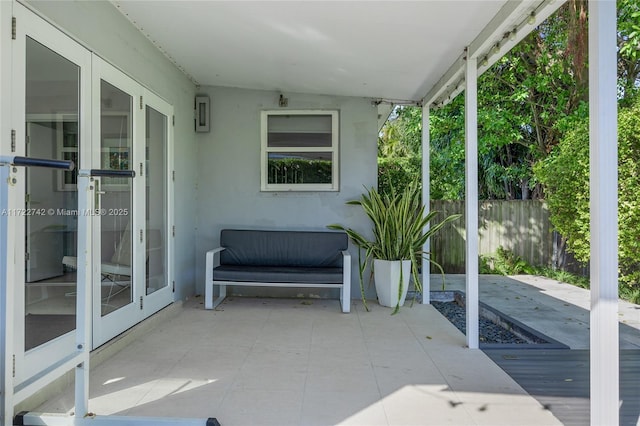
(565, 176)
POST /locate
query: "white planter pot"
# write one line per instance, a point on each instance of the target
(387, 280)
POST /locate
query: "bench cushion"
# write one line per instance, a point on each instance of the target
(278, 274)
(282, 248)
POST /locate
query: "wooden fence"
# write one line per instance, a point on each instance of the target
(520, 226)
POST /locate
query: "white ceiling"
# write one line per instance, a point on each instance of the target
(395, 50)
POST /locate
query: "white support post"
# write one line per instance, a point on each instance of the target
(86, 203)
(471, 200)
(426, 201)
(604, 359)
(6, 304)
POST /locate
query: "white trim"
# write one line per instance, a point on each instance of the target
(334, 149)
(6, 239)
(29, 364)
(105, 327)
(426, 201)
(471, 201)
(163, 296)
(604, 343)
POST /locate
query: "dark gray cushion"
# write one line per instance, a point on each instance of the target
(282, 248)
(278, 274)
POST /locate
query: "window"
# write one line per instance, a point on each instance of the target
(299, 151)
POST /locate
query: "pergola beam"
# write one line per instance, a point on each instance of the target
(512, 23)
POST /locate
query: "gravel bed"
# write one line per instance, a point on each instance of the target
(489, 331)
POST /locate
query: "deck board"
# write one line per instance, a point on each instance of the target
(559, 380)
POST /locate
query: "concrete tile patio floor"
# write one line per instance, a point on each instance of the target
(295, 362)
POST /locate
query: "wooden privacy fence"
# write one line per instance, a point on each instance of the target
(520, 226)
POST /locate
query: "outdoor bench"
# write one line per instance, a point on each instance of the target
(306, 259)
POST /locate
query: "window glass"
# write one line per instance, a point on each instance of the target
(299, 151)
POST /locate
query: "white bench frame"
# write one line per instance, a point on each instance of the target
(213, 260)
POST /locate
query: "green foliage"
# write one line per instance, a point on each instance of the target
(630, 295)
(446, 130)
(565, 174)
(527, 101)
(398, 172)
(296, 170)
(504, 262)
(399, 220)
(563, 276)
(629, 50)
(401, 136)
(400, 150)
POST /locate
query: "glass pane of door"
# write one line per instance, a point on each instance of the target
(116, 136)
(156, 203)
(52, 106)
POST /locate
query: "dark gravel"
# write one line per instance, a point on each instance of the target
(489, 331)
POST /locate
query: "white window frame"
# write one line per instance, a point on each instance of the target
(333, 149)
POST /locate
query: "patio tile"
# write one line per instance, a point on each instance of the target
(281, 336)
(391, 379)
(353, 354)
(340, 378)
(270, 362)
(425, 405)
(274, 357)
(343, 408)
(270, 378)
(260, 407)
(199, 402)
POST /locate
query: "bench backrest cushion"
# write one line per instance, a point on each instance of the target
(282, 248)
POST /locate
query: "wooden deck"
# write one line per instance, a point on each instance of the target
(559, 379)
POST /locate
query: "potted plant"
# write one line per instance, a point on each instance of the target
(396, 250)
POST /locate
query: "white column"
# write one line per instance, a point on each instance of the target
(6, 307)
(426, 198)
(604, 217)
(86, 203)
(471, 199)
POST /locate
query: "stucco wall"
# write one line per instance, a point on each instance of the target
(229, 171)
(218, 173)
(105, 31)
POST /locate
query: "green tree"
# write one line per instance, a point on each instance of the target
(565, 175)
(400, 150)
(629, 50)
(526, 103)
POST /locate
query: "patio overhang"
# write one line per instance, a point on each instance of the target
(400, 52)
(430, 52)
(420, 53)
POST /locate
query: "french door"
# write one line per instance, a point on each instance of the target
(51, 96)
(131, 132)
(69, 104)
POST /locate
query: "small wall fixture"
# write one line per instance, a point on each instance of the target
(283, 102)
(202, 114)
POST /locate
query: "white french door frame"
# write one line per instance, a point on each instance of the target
(161, 298)
(110, 325)
(32, 363)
